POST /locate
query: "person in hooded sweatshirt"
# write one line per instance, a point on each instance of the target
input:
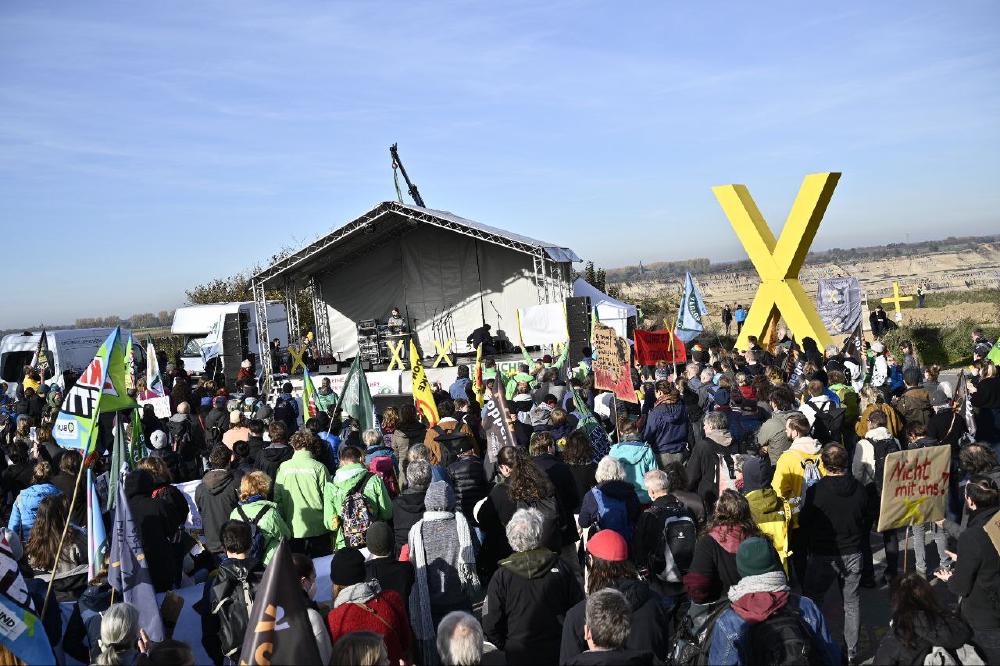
(278, 451)
(529, 595)
(711, 469)
(789, 480)
(713, 568)
(666, 429)
(975, 578)
(762, 594)
(834, 521)
(216, 497)
(610, 569)
(157, 521)
(919, 622)
(635, 456)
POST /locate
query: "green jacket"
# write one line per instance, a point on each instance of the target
(323, 401)
(379, 502)
(302, 489)
(516, 379)
(271, 524)
(849, 401)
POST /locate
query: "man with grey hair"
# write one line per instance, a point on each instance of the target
(528, 596)
(609, 620)
(408, 506)
(460, 640)
(613, 503)
(648, 548)
(710, 469)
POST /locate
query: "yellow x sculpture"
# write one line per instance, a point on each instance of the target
(296, 353)
(778, 263)
(396, 349)
(443, 352)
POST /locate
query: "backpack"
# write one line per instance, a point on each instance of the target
(692, 639)
(284, 410)
(828, 424)
(612, 514)
(881, 449)
(810, 476)
(356, 517)
(783, 639)
(963, 656)
(677, 544)
(258, 545)
(381, 465)
(233, 610)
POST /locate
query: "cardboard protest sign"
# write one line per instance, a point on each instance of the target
(161, 406)
(992, 528)
(653, 346)
(612, 368)
(914, 487)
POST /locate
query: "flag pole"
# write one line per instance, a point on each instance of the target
(62, 539)
(673, 359)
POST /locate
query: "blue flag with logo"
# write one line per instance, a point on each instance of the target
(691, 313)
(128, 570)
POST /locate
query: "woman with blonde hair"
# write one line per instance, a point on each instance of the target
(255, 507)
(360, 648)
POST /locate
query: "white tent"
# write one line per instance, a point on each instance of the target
(610, 311)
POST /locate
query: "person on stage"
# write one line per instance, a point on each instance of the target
(482, 336)
(396, 321)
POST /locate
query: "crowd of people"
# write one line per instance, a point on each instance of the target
(728, 503)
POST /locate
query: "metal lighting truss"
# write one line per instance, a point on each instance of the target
(322, 317)
(263, 334)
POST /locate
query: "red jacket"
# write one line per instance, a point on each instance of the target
(384, 615)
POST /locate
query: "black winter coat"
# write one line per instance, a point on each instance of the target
(704, 468)
(469, 481)
(226, 584)
(650, 622)
(270, 458)
(216, 424)
(562, 478)
(66, 483)
(583, 475)
(216, 497)
(947, 631)
(407, 509)
(977, 574)
(835, 516)
(156, 520)
(526, 604)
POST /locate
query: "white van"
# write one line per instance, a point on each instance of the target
(195, 322)
(71, 349)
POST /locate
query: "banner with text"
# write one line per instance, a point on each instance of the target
(914, 487)
(612, 363)
(653, 346)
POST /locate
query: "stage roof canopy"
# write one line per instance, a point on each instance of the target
(391, 219)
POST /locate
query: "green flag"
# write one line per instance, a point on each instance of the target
(76, 424)
(119, 462)
(309, 406)
(994, 354)
(356, 397)
(137, 439)
(599, 441)
(116, 396)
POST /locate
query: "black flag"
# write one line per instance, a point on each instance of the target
(278, 630)
(495, 424)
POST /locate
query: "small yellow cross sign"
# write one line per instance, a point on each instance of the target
(778, 262)
(896, 300)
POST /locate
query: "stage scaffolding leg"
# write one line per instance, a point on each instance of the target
(263, 335)
(291, 306)
(322, 317)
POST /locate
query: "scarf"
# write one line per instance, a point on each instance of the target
(359, 593)
(253, 498)
(755, 598)
(420, 597)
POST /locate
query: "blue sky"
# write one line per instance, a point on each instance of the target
(146, 147)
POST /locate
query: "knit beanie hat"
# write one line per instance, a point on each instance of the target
(379, 539)
(608, 545)
(757, 556)
(439, 497)
(347, 567)
(158, 440)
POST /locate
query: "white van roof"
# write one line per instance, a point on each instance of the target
(199, 319)
(20, 342)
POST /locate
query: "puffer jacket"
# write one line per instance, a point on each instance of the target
(469, 481)
(666, 429)
(216, 497)
(22, 514)
(637, 458)
(407, 510)
(649, 629)
(271, 523)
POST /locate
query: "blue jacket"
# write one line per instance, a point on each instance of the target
(740, 314)
(457, 389)
(666, 428)
(731, 635)
(382, 450)
(22, 516)
(895, 379)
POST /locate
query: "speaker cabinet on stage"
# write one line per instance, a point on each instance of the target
(235, 345)
(578, 323)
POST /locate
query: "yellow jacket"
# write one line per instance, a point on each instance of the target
(789, 473)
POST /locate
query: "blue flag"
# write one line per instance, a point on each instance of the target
(97, 537)
(128, 571)
(21, 630)
(691, 313)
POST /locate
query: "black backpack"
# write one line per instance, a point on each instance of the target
(232, 602)
(692, 639)
(285, 412)
(828, 425)
(258, 544)
(671, 557)
(784, 639)
(882, 448)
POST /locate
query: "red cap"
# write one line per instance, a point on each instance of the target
(608, 545)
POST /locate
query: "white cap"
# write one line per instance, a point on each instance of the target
(158, 440)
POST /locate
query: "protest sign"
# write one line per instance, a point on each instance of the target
(612, 367)
(161, 406)
(992, 528)
(653, 346)
(187, 489)
(914, 487)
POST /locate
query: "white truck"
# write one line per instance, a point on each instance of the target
(70, 349)
(237, 338)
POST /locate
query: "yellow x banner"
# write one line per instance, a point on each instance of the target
(778, 262)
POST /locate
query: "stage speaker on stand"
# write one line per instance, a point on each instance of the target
(578, 323)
